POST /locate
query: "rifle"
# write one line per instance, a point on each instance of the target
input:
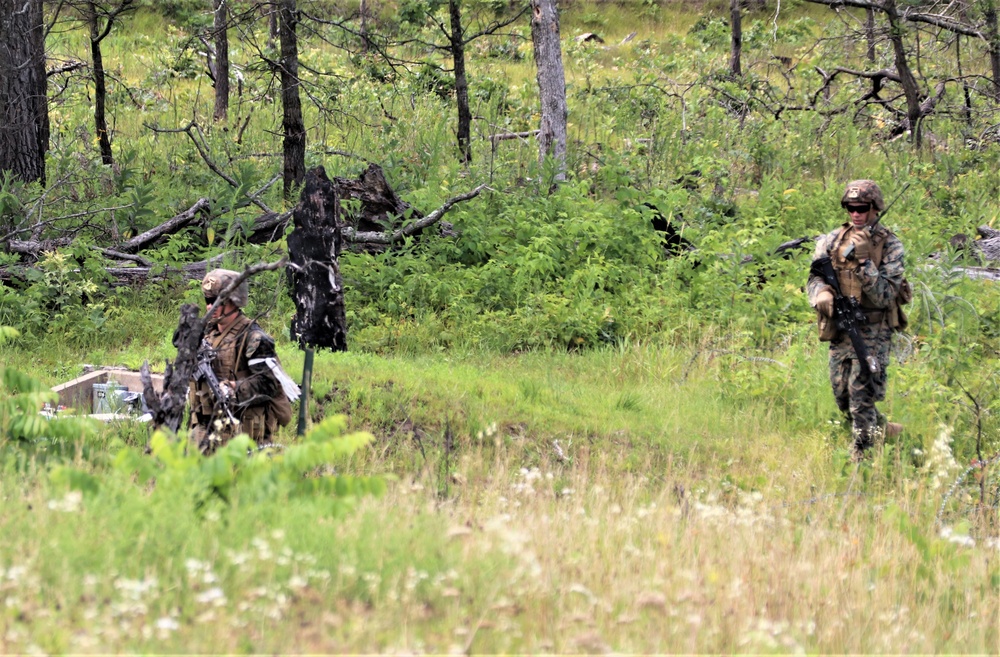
(204, 373)
(847, 314)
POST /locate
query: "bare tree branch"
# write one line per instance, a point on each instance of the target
(171, 226)
(370, 237)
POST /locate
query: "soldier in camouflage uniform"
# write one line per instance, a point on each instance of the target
(250, 388)
(868, 260)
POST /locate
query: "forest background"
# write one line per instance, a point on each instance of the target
(555, 430)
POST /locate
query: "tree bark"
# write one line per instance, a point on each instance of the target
(870, 33)
(363, 28)
(273, 29)
(910, 89)
(314, 250)
(293, 128)
(24, 116)
(100, 88)
(736, 45)
(221, 22)
(457, 47)
(551, 83)
(167, 407)
(993, 35)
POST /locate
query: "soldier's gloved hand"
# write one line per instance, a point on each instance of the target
(228, 389)
(862, 241)
(824, 302)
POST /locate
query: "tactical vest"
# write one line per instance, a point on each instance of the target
(230, 365)
(850, 284)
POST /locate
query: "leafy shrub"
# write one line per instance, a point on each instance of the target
(22, 399)
(182, 475)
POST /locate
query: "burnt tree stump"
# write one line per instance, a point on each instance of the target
(168, 408)
(380, 207)
(314, 250)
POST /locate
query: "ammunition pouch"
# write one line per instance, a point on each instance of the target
(827, 327)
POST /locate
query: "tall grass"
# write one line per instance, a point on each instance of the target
(590, 446)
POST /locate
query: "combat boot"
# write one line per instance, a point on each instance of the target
(893, 429)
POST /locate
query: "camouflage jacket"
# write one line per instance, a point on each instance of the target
(255, 385)
(880, 284)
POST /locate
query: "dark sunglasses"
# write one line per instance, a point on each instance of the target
(860, 209)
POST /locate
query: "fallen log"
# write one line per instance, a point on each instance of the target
(380, 219)
(127, 249)
(129, 276)
(168, 227)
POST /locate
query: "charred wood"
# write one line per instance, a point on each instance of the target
(314, 249)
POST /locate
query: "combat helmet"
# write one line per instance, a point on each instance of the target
(217, 280)
(863, 191)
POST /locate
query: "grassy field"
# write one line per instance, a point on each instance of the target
(562, 439)
(614, 500)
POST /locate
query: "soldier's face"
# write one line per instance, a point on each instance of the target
(861, 214)
(221, 311)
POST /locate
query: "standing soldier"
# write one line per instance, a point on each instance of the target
(867, 259)
(244, 363)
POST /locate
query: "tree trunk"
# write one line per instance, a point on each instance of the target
(292, 125)
(167, 407)
(461, 82)
(363, 18)
(736, 46)
(100, 90)
(910, 89)
(24, 116)
(993, 34)
(314, 250)
(551, 83)
(966, 92)
(870, 33)
(221, 60)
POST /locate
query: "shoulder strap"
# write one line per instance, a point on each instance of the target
(838, 239)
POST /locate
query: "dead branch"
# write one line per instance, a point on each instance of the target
(371, 237)
(168, 227)
(938, 20)
(66, 68)
(512, 135)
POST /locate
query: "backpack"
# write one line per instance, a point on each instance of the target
(279, 408)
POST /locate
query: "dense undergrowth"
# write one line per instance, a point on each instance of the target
(583, 440)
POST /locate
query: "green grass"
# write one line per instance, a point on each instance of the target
(587, 446)
(669, 510)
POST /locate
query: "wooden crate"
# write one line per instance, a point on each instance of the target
(78, 394)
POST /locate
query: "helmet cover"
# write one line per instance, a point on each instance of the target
(217, 280)
(863, 191)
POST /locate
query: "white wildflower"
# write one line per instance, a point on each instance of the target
(213, 595)
(68, 504)
(195, 566)
(167, 624)
(941, 464)
(949, 534)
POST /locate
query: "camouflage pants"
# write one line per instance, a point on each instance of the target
(854, 394)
